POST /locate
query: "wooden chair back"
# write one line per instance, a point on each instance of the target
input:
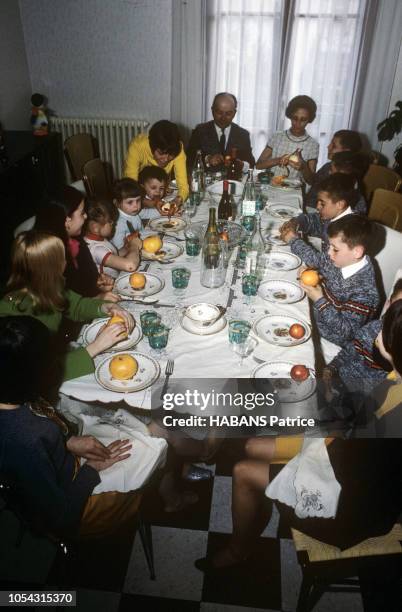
(97, 179)
(386, 208)
(380, 177)
(78, 149)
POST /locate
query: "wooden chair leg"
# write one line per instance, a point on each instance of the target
(146, 541)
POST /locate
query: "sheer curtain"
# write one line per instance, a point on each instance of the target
(321, 60)
(244, 47)
(267, 51)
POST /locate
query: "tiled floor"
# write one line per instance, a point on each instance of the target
(115, 578)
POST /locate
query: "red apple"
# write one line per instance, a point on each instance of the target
(297, 331)
(299, 373)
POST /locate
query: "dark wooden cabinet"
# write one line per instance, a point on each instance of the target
(35, 168)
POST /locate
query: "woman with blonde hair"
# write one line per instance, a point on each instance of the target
(36, 288)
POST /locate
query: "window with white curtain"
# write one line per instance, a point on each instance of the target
(268, 51)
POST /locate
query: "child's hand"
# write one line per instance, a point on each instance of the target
(287, 234)
(108, 337)
(105, 282)
(314, 293)
(114, 310)
(134, 244)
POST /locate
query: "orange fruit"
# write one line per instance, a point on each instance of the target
(278, 180)
(123, 367)
(152, 244)
(310, 278)
(296, 331)
(118, 319)
(137, 280)
(299, 373)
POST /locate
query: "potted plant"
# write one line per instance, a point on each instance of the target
(391, 127)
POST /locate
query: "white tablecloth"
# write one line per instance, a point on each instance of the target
(208, 356)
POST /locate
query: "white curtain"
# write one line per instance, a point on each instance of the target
(321, 60)
(244, 45)
(268, 51)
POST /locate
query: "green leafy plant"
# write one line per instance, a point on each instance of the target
(392, 125)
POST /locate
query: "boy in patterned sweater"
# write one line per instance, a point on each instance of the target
(336, 198)
(360, 364)
(347, 296)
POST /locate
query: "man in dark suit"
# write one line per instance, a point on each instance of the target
(218, 137)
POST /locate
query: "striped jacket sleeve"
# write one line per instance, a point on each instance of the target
(339, 321)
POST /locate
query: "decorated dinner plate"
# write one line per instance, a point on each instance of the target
(282, 211)
(170, 250)
(153, 284)
(92, 330)
(280, 260)
(148, 372)
(288, 390)
(281, 291)
(275, 330)
(167, 224)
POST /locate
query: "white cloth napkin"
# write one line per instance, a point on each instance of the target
(307, 483)
(147, 453)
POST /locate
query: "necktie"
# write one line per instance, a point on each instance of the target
(222, 142)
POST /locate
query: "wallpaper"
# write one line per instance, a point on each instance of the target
(100, 58)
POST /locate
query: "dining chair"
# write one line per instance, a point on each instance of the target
(380, 177)
(78, 149)
(67, 548)
(386, 207)
(97, 178)
(328, 568)
(385, 248)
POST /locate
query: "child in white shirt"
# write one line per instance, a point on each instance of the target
(127, 195)
(99, 228)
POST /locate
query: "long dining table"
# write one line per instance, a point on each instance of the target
(209, 356)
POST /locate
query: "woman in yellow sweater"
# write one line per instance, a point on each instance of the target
(163, 148)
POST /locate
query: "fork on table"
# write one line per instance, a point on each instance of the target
(168, 372)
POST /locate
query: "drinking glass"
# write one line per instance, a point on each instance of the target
(158, 338)
(248, 222)
(195, 199)
(238, 331)
(193, 243)
(148, 319)
(249, 286)
(180, 278)
(244, 349)
(190, 207)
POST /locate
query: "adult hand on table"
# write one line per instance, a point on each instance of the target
(113, 310)
(88, 447)
(118, 451)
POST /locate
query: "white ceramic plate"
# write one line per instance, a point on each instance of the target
(93, 329)
(288, 390)
(171, 250)
(282, 211)
(153, 284)
(164, 224)
(148, 372)
(208, 331)
(281, 291)
(280, 260)
(275, 330)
